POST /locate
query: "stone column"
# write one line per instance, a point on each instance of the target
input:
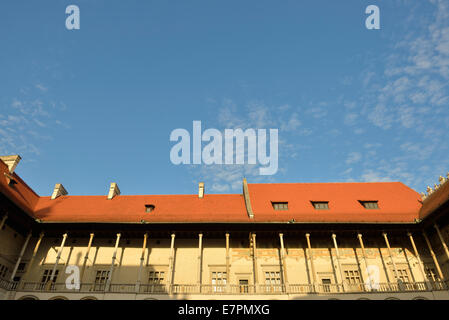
(19, 259)
(283, 262)
(435, 260)
(2, 222)
(365, 260)
(86, 257)
(421, 267)
(142, 259)
(171, 263)
(255, 267)
(312, 265)
(200, 260)
(443, 243)
(30, 264)
(392, 260)
(64, 237)
(334, 239)
(114, 257)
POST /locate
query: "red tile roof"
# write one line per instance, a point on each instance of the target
(397, 204)
(123, 208)
(396, 201)
(19, 193)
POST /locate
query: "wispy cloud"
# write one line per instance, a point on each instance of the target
(26, 122)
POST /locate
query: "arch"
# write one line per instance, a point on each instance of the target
(392, 298)
(150, 299)
(363, 298)
(89, 298)
(58, 298)
(28, 297)
(420, 298)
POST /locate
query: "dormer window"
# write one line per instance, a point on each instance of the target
(369, 204)
(279, 206)
(149, 208)
(321, 205)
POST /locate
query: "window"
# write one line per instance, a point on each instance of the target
(3, 271)
(100, 279)
(218, 281)
(280, 205)
(21, 266)
(320, 205)
(243, 283)
(403, 275)
(370, 204)
(431, 274)
(273, 280)
(156, 277)
(326, 285)
(352, 276)
(149, 208)
(46, 276)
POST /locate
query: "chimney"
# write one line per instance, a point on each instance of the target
(11, 162)
(59, 190)
(201, 190)
(113, 191)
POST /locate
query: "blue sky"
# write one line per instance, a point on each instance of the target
(97, 105)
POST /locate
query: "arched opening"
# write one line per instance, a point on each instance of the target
(28, 298)
(89, 298)
(58, 298)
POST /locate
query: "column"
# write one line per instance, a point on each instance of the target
(443, 243)
(334, 239)
(365, 260)
(142, 259)
(283, 262)
(114, 257)
(30, 264)
(435, 260)
(22, 251)
(171, 263)
(86, 257)
(200, 259)
(2, 222)
(421, 267)
(392, 260)
(256, 280)
(228, 276)
(64, 237)
(312, 265)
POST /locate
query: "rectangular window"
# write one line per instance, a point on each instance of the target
(244, 285)
(352, 276)
(326, 285)
(369, 204)
(431, 274)
(101, 277)
(320, 205)
(403, 275)
(21, 266)
(46, 276)
(273, 281)
(219, 280)
(156, 277)
(280, 205)
(3, 271)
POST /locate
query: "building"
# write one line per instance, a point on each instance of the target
(272, 241)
